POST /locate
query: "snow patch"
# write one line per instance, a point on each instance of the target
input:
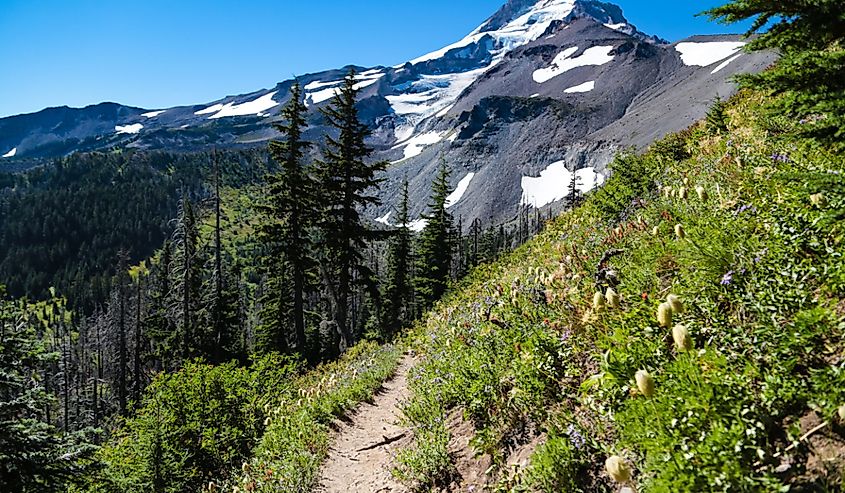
(11, 153)
(211, 109)
(597, 55)
(315, 94)
(536, 95)
(460, 190)
(152, 114)
(553, 184)
(415, 145)
(417, 225)
(254, 107)
(704, 54)
(385, 219)
(616, 27)
(725, 63)
(585, 87)
(325, 94)
(128, 129)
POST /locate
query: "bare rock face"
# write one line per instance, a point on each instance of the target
(542, 92)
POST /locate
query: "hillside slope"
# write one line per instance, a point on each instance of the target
(569, 349)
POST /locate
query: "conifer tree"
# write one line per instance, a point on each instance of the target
(187, 272)
(809, 36)
(347, 181)
(34, 455)
(397, 288)
(435, 244)
(717, 117)
(290, 213)
(220, 308)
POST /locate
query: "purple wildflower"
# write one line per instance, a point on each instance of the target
(745, 208)
(575, 437)
(780, 158)
(728, 278)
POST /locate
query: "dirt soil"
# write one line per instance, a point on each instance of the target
(364, 446)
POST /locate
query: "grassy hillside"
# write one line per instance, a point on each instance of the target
(745, 227)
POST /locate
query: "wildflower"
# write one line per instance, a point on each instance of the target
(841, 412)
(679, 232)
(245, 467)
(598, 301)
(575, 437)
(818, 200)
(686, 181)
(682, 193)
(667, 192)
(655, 230)
(212, 486)
(780, 158)
(683, 341)
(618, 469)
(745, 208)
(702, 193)
(613, 298)
(664, 315)
(727, 279)
(676, 303)
(645, 383)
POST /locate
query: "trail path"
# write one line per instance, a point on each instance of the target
(362, 451)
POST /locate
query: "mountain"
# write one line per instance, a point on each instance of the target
(540, 89)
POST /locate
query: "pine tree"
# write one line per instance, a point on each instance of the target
(435, 245)
(220, 306)
(397, 287)
(187, 272)
(809, 35)
(717, 117)
(121, 302)
(290, 214)
(347, 181)
(34, 455)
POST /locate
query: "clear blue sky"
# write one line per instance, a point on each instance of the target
(162, 53)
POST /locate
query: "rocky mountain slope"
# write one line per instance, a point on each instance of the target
(542, 88)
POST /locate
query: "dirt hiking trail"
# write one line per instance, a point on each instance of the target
(362, 451)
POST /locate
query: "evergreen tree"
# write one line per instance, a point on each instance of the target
(717, 117)
(220, 308)
(290, 213)
(809, 35)
(34, 456)
(398, 302)
(435, 245)
(187, 272)
(346, 181)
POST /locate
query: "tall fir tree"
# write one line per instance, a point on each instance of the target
(290, 212)
(34, 455)
(219, 342)
(809, 77)
(398, 290)
(435, 245)
(347, 183)
(187, 272)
